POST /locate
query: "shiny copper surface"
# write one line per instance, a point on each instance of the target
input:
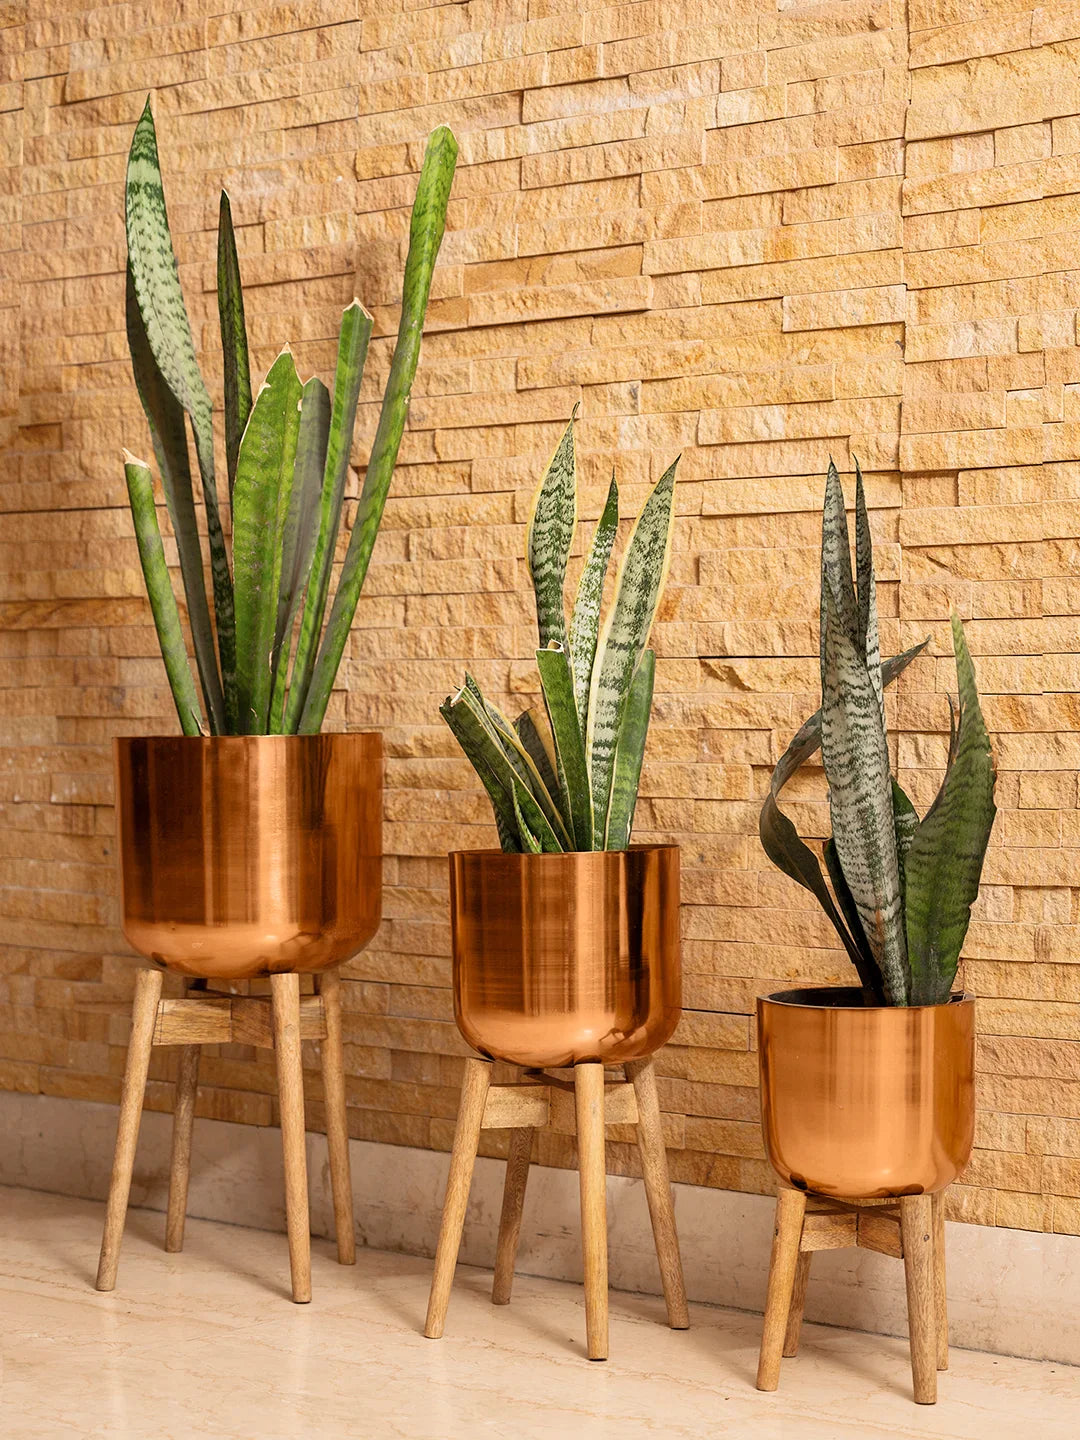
(865, 1101)
(563, 958)
(244, 855)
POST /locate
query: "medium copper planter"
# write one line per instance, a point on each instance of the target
(862, 1101)
(251, 854)
(566, 958)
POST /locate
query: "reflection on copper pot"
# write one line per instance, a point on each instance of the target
(862, 1101)
(567, 957)
(248, 854)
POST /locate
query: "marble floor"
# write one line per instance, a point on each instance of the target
(207, 1344)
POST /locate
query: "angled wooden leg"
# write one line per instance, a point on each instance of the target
(144, 1014)
(474, 1090)
(917, 1235)
(783, 1265)
(285, 1007)
(337, 1122)
(187, 1085)
(654, 1169)
(517, 1177)
(941, 1304)
(798, 1302)
(592, 1167)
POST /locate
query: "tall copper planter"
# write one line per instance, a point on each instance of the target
(863, 1101)
(247, 855)
(566, 958)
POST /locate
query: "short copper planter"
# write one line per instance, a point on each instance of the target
(865, 1101)
(561, 959)
(249, 855)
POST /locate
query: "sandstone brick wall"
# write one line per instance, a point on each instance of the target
(760, 232)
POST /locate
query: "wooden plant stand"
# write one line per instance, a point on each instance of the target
(911, 1229)
(277, 1022)
(584, 1106)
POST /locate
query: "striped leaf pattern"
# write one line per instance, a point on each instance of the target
(624, 637)
(549, 537)
(425, 237)
(234, 346)
(168, 434)
(159, 589)
(156, 282)
(287, 515)
(557, 683)
(945, 858)
(264, 479)
(585, 619)
(856, 756)
(629, 754)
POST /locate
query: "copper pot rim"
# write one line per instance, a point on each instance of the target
(786, 999)
(558, 856)
(226, 740)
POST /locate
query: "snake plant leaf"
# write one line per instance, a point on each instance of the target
(234, 345)
(866, 599)
(629, 753)
(905, 822)
(529, 844)
(624, 636)
(536, 822)
(165, 418)
(534, 731)
(945, 858)
(425, 237)
(506, 738)
(836, 559)
(855, 941)
(856, 756)
(264, 481)
(585, 618)
(489, 763)
(353, 340)
(140, 488)
(557, 683)
(298, 538)
(156, 282)
(549, 537)
(781, 843)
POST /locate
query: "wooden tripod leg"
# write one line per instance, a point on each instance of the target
(941, 1303)
(783, 1265)
(285, 1008)
(517, 1177)
(144, 1015)
(917, 1236)
(337, 1121)
(798, 1302)
(654, 1169)
(187, 1085)
(470, 1121)
(592, 1168)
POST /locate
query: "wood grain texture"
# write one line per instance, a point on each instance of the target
(592, 1175)
(798, 1303)
(654, 1169)
(187, 1086)
(917, 1226)
(285, 1004)
(783, 1265)
(147, 993)
(517, 1178)
(458, 1182)
(337, 1119)
(941, 1301)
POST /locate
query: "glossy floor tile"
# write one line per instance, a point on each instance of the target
(207, 1344)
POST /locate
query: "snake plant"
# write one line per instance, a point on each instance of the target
(566, 777)
(266, 662)
(901, 888)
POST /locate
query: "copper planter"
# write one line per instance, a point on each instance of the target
(246, 855)
(863, 1101)
(565, 958)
